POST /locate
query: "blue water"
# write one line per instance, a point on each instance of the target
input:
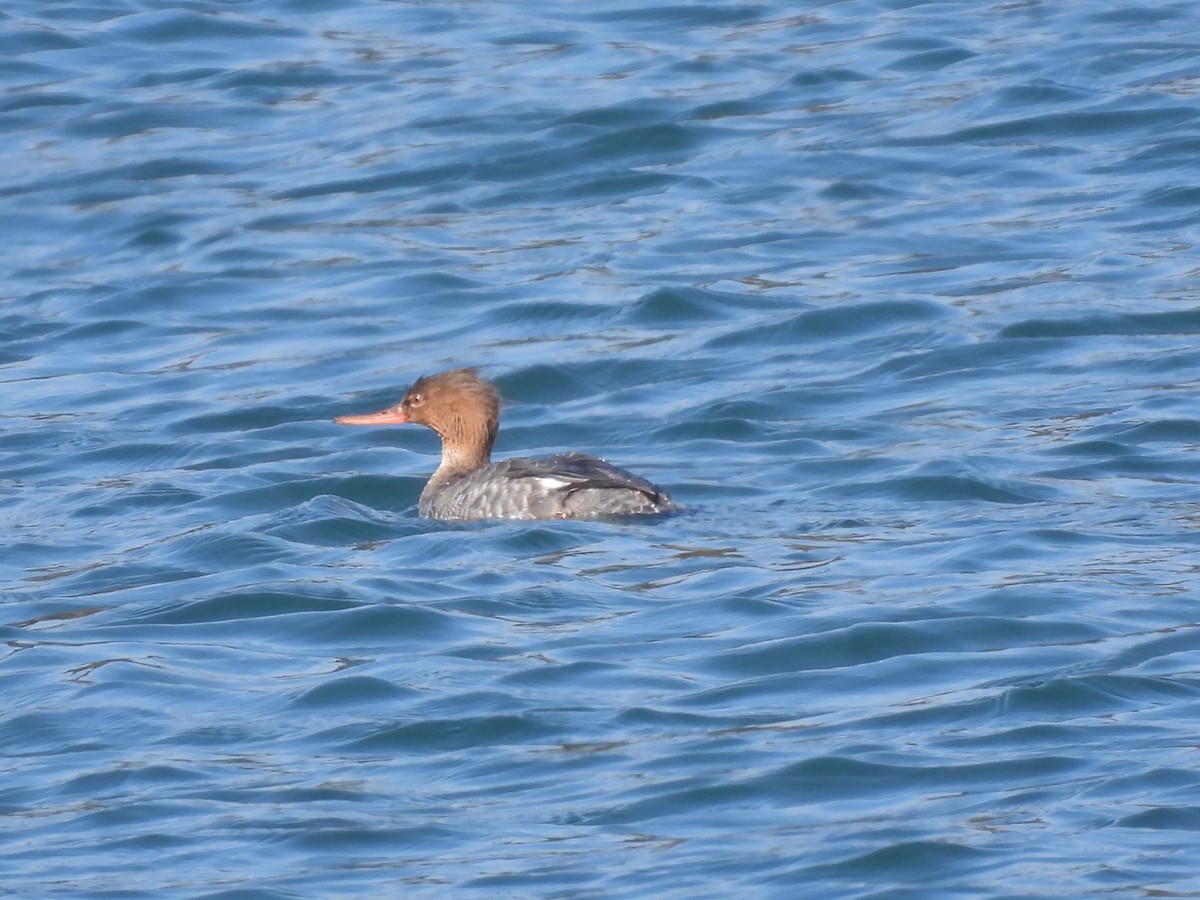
(899, 299)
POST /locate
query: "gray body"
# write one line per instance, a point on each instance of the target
(563, 486)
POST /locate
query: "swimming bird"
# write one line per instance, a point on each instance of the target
(464, 411)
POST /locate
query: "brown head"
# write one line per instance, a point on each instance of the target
(460, 406)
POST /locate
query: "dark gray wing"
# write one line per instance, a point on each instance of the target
(580, 472)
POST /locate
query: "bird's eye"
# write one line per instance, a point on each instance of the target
(416, 399)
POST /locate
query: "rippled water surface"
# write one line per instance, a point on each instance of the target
(899, 299)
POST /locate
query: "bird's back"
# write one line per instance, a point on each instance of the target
(563, 486)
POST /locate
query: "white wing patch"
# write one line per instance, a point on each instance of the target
(550, 483)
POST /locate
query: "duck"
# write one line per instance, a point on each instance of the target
(463, 409)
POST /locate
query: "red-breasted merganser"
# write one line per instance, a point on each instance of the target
(464, 411)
